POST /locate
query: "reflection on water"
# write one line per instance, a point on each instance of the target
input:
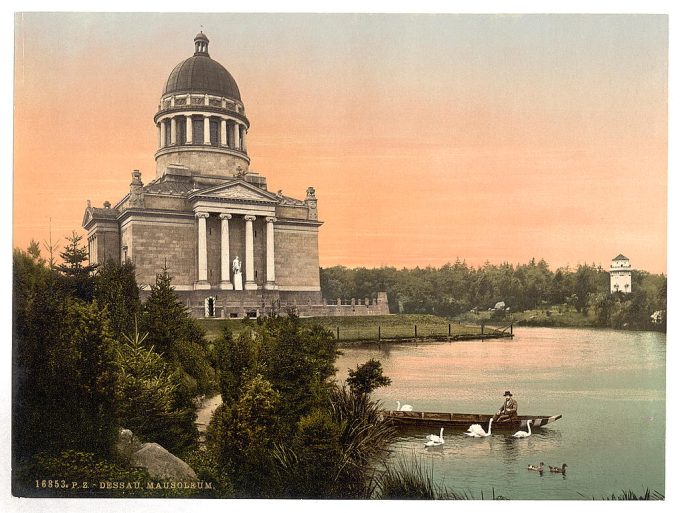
(608, 385)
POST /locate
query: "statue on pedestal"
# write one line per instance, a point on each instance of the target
(238, 278)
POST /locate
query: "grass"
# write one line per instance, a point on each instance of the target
(550, 316)
(358, 328)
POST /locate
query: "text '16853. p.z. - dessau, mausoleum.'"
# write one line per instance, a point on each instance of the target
(232, 247)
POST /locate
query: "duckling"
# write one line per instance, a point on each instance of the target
(558, 470)
(538, 468)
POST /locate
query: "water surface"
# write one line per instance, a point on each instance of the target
(608, 385)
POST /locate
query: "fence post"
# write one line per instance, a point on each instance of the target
(378, 332)
(337, 329)
(482, 326)
(415, 330)
(449, 329)
(510, 329)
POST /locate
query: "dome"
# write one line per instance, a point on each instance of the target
(201, 74)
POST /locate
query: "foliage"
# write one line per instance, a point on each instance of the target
(148, 398)
(365, 437)
(65, 375)
(454, 289)
(242, 435)
(409, 479)
(78, 275)
(116, 289)
(367, 377)
(174, 334)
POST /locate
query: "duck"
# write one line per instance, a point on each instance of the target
(558, 470)
(434, 440)
(405, 407)
(524, 434)
(537, 468)
(477, 431)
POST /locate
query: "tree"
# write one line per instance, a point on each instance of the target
(147, 394)
(78, 275)
(116, 289)
(367, 377)
(164, 317)
(242, 437)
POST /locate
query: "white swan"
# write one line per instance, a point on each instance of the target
(524, 434)
(477, 431)
(434, 440)
(406, 407)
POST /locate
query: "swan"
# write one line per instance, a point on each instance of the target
(477, 431)
(406, 407)
(538, 468)
(560, 470)
(434, 440)
(524, 434)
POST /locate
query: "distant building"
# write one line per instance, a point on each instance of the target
(620, 274)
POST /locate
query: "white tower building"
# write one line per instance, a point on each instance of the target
(620, 274)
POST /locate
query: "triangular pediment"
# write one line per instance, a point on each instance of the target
(87, 217)
(238, 190)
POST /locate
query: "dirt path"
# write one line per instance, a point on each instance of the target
(206, 410)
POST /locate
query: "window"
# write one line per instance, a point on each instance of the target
(181, 130)
(214, 132)
(167, 133)
(197, 129)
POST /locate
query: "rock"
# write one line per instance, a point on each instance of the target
(127, 444)
(161, 464)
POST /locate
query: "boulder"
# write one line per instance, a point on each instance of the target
(161, 464)
(127, 444)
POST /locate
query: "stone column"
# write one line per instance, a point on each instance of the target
(162, 125)
(223, 132)
(250, 260)
(160, 135)
(271, 275)
(225, 283)
(202, 282)
(173, 130)
(206, 129)
(243, 140)
(237, 137)
(190, 130)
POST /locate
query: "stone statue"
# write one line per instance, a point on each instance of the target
(238, 278)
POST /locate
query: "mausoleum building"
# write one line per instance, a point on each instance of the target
(231, 246)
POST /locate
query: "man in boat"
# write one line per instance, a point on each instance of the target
(508, 411)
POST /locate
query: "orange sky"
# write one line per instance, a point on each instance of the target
(427, 137)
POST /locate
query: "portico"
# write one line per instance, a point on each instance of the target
(243, 206)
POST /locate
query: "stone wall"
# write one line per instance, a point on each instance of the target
(203, 161)
(297, 257)
(155, 242)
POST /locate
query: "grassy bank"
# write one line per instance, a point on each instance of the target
(558, 317)
(366, 327)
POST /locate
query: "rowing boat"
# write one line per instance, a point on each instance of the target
(464, 420)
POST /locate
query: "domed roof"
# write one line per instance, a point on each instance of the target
(201, 74)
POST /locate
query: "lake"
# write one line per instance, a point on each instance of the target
(608, 385)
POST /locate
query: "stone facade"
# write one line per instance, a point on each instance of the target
(205, 209)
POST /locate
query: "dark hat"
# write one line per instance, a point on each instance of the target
(507, 392)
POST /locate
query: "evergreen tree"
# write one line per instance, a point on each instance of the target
(164, 316)
(78, 275)
(116, 289)
(148, 400)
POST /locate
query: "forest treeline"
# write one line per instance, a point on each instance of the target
(454, 289)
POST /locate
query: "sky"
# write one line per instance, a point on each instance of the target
(427, 137)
